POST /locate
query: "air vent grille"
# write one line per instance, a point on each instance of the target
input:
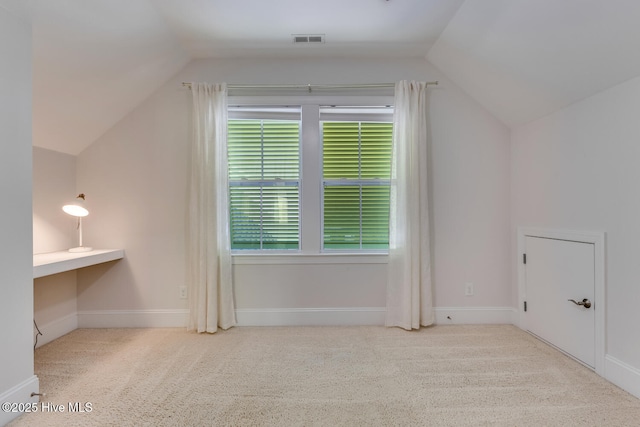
(308, 38)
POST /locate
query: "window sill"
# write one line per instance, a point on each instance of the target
(300, 258)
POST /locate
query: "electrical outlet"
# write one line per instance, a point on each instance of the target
(468, 289)
(183, 292)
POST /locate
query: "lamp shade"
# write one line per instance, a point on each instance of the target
(76, 208)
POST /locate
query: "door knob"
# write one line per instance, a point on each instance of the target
(585, 302)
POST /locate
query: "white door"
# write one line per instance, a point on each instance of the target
(556, 272)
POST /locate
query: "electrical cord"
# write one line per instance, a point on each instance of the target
(39, 333)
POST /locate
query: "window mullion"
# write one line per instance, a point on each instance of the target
(311, 181)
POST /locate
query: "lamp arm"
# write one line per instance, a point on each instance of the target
(79, 231)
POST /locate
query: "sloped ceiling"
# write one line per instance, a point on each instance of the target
(93, 62)
(524, 59)
(96, 60)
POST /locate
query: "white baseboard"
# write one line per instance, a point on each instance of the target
(21, 393)
(330, 316)
(334, 316)
(475, 315)
(57, 328)
(367, 316)
(175, 318)
(624, 376)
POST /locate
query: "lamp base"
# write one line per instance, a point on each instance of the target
(80, 249)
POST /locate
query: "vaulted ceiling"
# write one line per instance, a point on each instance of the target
(96, 60)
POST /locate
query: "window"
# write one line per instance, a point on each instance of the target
(356, 159)
(264, 174)
(339, 176)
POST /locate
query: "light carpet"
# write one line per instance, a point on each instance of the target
(322, 376)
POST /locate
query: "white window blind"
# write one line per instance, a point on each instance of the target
(356, 163)
(264, 179)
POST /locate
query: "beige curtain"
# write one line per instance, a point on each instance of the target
(409, 293)
(208, 249)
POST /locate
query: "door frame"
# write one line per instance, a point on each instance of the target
(597, 238)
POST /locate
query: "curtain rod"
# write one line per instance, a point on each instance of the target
(310, 87)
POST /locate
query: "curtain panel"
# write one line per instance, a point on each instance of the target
(409, 288)
(208, 243)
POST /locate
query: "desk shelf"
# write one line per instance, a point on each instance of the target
(58, 262)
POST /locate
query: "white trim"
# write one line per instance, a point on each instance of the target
(298, 258)
(624, 376)
(57, 328)
(326, 316)
(21, 393)
(475, 315)
(597, 238)
(174, 318)
(334, 316)
(310, 174)
(374, 316)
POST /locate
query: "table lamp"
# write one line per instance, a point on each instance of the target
(77, 209)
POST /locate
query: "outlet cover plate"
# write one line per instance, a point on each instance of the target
(468, 289)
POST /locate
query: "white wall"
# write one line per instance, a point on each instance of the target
(578, 169)
(17, 380)
(54, 183)
(136, 177)
(54, 299)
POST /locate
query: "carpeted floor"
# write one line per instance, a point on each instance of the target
(321, 376)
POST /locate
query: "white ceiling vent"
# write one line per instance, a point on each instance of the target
(308, 38)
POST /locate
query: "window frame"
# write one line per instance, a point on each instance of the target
(310, 190)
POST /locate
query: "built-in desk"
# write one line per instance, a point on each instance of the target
(58, 262)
